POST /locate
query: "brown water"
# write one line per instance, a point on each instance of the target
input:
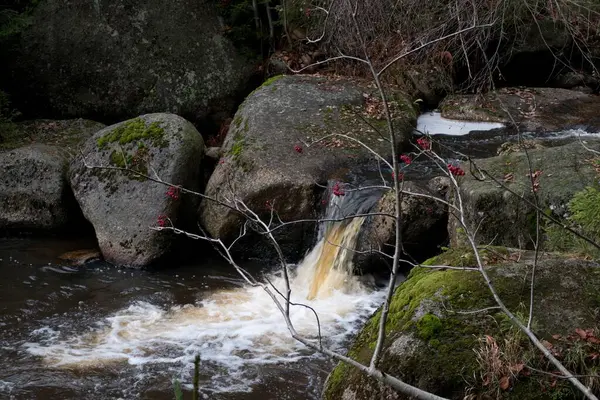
(101, 332)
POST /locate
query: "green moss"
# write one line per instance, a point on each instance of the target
(119, 160)
(237, 121)
(450, 341)
(271, 80)
(429, 326)
(584, 217)
(137, 162)
(236, 149)
(134, 130)
(267, 83)
(585, 209)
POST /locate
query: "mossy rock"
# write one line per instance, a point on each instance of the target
(424, 224)
(532, 109)
(117, 198)
(34, 192)
(499, 215)
(266, 158)
(432, 336)
(157, 56)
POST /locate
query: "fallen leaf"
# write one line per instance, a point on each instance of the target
(556, 337)
(504, 383)
(517, 368)
(547, 344)
(582, 334)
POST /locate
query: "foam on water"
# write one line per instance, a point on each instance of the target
(433, 123)
(234, 329)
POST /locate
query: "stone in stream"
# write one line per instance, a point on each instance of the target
(124, 206)
(500, 217)
(34, 193)
(531, 109)
(267, 160)
(424, 223)
(80, 257)
(434, 341)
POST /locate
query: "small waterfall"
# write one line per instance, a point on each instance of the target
(330, 261)
(235, 329)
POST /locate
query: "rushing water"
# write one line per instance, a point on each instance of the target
(433, 123)
(102, 332)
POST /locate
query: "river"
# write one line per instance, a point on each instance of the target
(102, 332)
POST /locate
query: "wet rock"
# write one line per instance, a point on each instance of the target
(124, 205)
(267, 162)
(80, 257)
(531, 109)
(111, 60)
(34, 193)
(502, 218)
(424, 223)
(432, 344)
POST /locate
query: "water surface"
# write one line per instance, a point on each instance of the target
(102, 332)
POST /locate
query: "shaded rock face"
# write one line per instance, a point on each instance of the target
(112, 59)
(266, 160)
(424, 222)
(67, 134)
(532, 109)
(123, 206)
(501, 217)
(430, 345)
(34, 193)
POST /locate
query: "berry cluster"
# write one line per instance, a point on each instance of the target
(424, 143)
(455, 170)
(173, 192)
(337, 190)
(405, 158)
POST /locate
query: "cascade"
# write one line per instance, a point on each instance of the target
(236, 328)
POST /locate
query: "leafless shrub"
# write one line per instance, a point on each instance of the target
(568, 28)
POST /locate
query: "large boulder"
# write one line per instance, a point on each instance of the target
(113, 59)
(500, 216)
(424, 223)
(268, 162)
(444, 335)
(34, 192)
(120, 202)
(531, 109)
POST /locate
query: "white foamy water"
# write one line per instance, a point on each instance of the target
(234, 329)
(433, 123)
(569, 133)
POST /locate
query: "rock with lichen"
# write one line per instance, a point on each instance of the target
(498, 203)
(113, 60)
(34, 192)
(284, 142)
(531, 109)
(442, 337)
(110, 182)
(424, 221)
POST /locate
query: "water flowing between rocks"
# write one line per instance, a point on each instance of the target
(103, 332)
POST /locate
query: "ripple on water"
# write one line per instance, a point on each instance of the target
(235, 331)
